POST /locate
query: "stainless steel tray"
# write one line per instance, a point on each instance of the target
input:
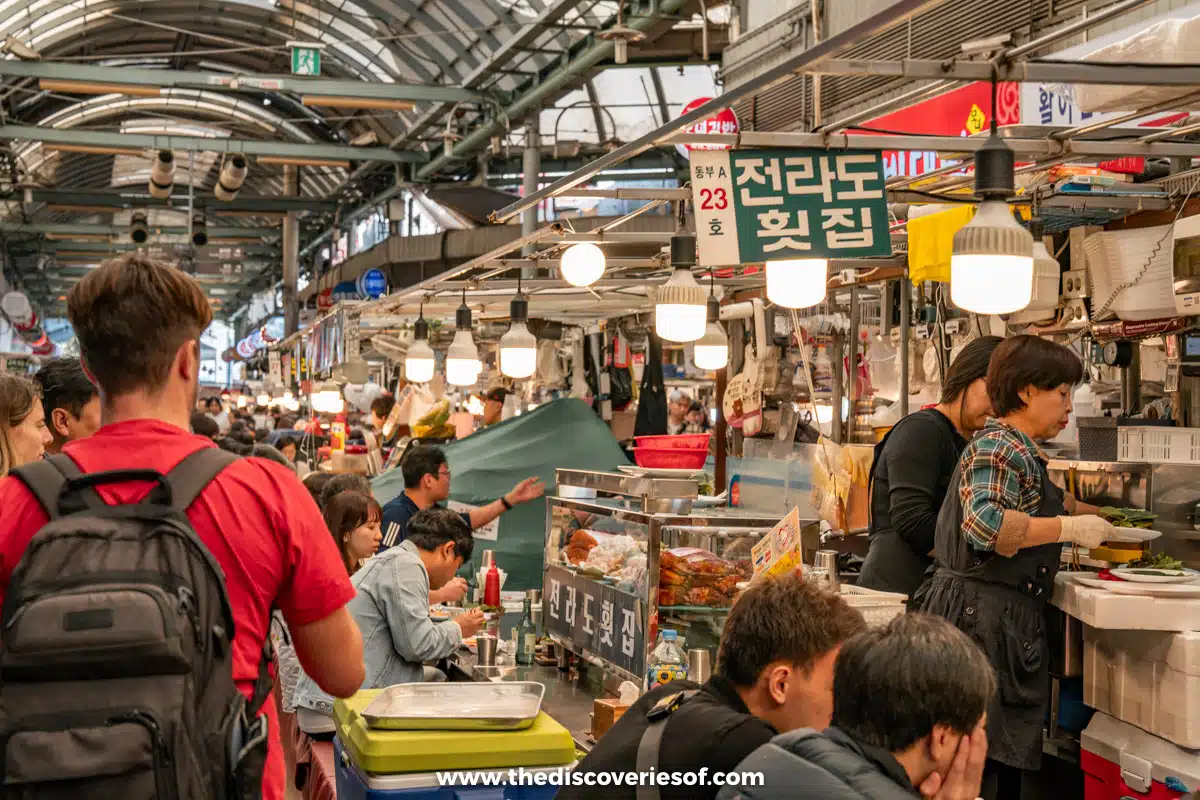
(456, 706)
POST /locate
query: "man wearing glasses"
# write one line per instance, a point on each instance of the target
(427, 484)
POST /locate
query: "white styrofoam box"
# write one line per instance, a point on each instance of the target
(1146, 678)
(1143, 257)
(1141, 756)
(1155, 445)
(1171, 41)
(1101, 608)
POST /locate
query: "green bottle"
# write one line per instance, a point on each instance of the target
(525, 636)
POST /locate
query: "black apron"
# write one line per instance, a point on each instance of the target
(892, 565)
(1000, 603)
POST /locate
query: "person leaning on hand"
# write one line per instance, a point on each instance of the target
(909, 706)
(999, 543)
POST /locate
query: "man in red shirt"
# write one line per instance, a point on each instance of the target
(138, 323)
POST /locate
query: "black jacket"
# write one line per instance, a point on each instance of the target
(808, 765)
(909, 477)
(712, 729)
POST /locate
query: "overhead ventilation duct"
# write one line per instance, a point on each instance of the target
(233, 175)
(162, 174)
(199, 230)
(139, 228)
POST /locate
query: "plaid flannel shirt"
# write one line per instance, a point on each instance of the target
(1001, 471)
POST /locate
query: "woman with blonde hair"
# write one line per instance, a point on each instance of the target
(23, 431)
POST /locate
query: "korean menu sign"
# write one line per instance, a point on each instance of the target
(596, 617)
(779, 204)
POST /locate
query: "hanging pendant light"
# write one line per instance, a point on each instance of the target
(712, 349)
(462, 359)
(582, 264)
(518, 347)
(991, 268)
(797, 283)
(419, 361)
(680, 307)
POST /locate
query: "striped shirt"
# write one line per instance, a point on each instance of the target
(1001, 470)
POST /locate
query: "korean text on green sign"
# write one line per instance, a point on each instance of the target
(753, 206)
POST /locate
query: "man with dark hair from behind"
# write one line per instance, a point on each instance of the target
(909, 708)
(70, 400)
(774, 674)
(204, 425)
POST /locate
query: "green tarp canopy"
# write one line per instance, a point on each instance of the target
(563, 433)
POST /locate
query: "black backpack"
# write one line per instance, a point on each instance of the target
(116, 671)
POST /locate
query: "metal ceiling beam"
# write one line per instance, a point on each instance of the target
(334, 152)
(71, 229)
(570, 72)
(30, 247)
(131, 200)
(895, 14)
(1063, 72)
(183, 79)
(1046, 148)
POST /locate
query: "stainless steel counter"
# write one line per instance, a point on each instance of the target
(568, 700)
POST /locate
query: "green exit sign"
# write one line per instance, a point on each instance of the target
(306, 58)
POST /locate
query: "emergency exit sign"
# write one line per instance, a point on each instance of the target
(306, 58)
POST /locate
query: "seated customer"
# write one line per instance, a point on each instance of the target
(774, 673)
(909, 706)
(391, 608)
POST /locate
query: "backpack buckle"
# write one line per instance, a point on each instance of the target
(665, 707)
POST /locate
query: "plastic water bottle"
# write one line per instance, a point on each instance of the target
(666, 661)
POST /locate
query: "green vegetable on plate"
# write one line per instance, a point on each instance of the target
(1156, 561)
(1127, 517)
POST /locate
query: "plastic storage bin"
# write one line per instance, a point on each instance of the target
(354, 784)
(878, 608)
(1159, 445)
(1149, 679)
(1119, 761)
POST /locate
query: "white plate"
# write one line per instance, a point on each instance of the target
(647, 472)
(1132, 574)
(1179, 590)
(1135, 535)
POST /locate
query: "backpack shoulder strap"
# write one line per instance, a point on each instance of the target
(651, 742)
(48, 478)
(190, 476)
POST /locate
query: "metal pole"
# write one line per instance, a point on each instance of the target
(905, 337)
(1079, 26)
(836, 351)
(532, 166)
(291, 258)
(852, 370)
(885, 20)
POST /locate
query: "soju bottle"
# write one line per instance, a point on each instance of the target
(525, 636)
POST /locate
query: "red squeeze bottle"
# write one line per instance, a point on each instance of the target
(491, 587)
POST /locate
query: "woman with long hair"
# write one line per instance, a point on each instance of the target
(354, 519)
(999, 543)
(23, 431)
(912, 470)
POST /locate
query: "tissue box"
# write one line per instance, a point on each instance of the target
(605, 714)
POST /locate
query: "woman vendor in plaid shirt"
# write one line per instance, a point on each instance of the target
(998, 546)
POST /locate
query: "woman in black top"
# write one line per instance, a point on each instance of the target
(912, 470)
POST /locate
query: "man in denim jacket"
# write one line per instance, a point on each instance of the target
(391, 606)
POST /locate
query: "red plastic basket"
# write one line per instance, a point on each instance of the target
(668, 458)
(684, 441)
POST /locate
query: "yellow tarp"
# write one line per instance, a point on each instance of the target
(931, 242)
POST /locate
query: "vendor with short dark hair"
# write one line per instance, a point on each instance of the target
(999, 543)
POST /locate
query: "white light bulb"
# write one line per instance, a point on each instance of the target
(991, 269)
(518, 352)
(419, 362)
(797, 283)
(582, 264)
(681, 311)
(462, 360)
(712, 349)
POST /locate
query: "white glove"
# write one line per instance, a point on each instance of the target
(1086, 531)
